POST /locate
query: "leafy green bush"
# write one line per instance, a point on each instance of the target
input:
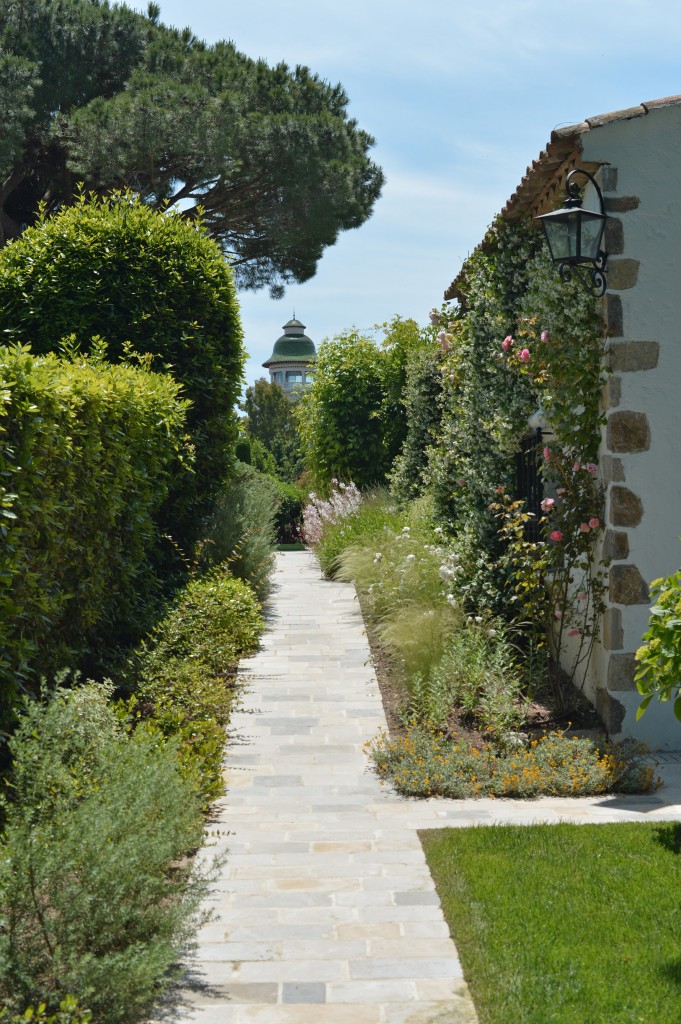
(659, 658)
(271, 426)
(87, 451)
(115, 268)
(241, 530)
(96, 893)
(215, 621)
(427, 763)
(189, 702)
(68, 1013)
(289, 517)
(182, 677)
(423, 404)
(341, 428)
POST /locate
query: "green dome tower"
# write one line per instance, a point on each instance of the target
(292, 361)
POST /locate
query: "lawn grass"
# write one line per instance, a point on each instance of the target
(565, 924)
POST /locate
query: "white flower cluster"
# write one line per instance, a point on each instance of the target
(450, 567)
(343, 501)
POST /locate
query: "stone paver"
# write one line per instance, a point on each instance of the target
(325, 910)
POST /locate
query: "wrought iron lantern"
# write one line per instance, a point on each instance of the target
(574, 236)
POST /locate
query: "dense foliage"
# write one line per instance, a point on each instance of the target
(86, 456)
(271, 422)
(106, 95)
(96, 895)
(183, 676)
(147, 283)
(340, 422)
(521, 355)
(352, 418)
(215, 620)
(422, 398)
(659, 657)
(242, 530)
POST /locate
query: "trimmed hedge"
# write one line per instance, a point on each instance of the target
(185, 673)
(148, 281)
(86, 455)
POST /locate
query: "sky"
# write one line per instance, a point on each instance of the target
(460, 98)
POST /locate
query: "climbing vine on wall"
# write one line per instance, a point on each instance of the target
(525, 350)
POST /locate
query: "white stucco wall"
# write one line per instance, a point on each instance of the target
(646, 151)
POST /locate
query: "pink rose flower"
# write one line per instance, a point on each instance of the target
(573, 632)
(547, 453)
(544, 335)
(547, 504)
(576, 466)
(594, 523)
(556, 535)
(506, 344)
(434, 316)
(584, 527)
(525, 355)
(592, 467)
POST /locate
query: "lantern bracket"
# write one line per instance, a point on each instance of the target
(591, 270)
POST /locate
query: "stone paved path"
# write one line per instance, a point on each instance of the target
(325, 911)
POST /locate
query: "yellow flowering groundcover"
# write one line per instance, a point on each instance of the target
(428, 763)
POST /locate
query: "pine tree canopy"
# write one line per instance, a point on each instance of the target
(112, 98)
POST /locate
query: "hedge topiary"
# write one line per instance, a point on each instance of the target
(112, 267)
(86, 455)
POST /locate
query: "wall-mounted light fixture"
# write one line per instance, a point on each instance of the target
(574, 236)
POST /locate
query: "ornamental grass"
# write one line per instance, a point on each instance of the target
(428, 763)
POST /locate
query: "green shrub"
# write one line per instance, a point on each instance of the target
(289, 517)
(115, 268)
(423, 404)
(426, 763)
(86, 455)
(260, 458)
(659, 658)
(271, 426)
(96, 894)
(68, 1013)
(339, 416)
(182, 677)
(480, 672)
(241, 530)
(187, 701)
(215, 621)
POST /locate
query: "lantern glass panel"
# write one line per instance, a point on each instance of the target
(592, 230)
(562, 234)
